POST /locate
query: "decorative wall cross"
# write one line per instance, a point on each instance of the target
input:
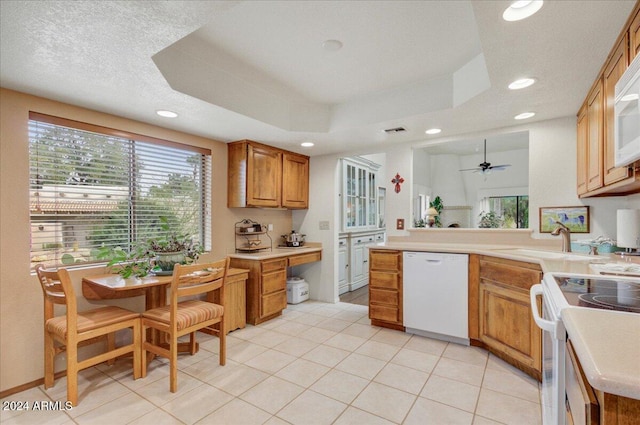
(397, 180)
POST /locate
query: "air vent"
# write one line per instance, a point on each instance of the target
(395, 130)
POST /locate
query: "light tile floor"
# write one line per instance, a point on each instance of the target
(317, 364)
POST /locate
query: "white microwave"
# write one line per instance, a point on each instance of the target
(627, 116)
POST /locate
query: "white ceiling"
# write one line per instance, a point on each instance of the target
(257, 70)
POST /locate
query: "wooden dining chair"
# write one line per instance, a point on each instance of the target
(74, 329)
(181, 317)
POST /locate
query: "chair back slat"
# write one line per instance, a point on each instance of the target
(197, 279)
(52, 287)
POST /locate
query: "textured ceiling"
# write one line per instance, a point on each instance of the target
(397, 67)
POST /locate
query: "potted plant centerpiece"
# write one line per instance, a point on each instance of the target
(171, 249)
(165, 251)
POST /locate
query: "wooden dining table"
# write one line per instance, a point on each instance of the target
(154, 289)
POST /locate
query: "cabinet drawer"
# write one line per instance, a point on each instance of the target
(385, 260)
(509, 274)
(305, 258)
(273, 303)
(387, 314)
(383, 297)
(273, 265)
(388, 280)
(275, 281)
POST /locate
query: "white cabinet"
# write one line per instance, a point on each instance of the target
(343, 266)
(359, 194)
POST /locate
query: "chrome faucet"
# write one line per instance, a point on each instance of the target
(566, 236)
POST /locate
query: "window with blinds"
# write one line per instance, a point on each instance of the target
(93, 187)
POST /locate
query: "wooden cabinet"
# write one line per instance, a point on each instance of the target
(597, 174)
(634, 35)
(582, 150)
(589, 406)
(266, 294)
(595, 120)
(385, 288)
(295, 181)
(505, 324)
(266, 177)
(616, 66)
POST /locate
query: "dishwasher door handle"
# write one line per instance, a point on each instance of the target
(433, 261)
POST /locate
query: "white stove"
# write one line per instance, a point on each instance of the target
(565, 290)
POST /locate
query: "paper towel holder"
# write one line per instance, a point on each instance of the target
(628, 231)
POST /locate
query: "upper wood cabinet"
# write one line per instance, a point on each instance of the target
(266, 177)
(597, 174)
(634, 35)
(295, 181)
(583, 147)
(595, 134)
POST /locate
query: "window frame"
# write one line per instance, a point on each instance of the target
(133, 138)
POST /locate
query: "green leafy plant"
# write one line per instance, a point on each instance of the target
(438, 205)
(137, 261)
(134, 263)
(174, 242)
(490, 220)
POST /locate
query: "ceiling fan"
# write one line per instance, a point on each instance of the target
(486, 167)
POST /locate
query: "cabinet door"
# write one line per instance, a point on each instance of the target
(582, 150)
(634, 35)
(343, 267)
(264, 171)
(295, 181)
(595, 118)
(506, 324)
(358, 257)
(612, 73)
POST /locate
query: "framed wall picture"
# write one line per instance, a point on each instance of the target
(575, 218)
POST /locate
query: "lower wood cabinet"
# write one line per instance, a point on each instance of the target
(505, 325)
(267, 283)
(385, 288)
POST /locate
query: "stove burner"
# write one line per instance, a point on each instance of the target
(611, 302)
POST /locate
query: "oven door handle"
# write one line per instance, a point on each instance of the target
(545, 325)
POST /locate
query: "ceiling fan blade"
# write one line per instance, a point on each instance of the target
(500, 167)
(471, 169)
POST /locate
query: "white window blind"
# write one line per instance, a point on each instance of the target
(92, 187)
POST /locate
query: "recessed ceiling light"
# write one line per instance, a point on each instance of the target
(630, 97)
(433, 131)
(166, 114)
(306, 144)
(522, 83)
(521, 9)
(524, 115)
(332, 45)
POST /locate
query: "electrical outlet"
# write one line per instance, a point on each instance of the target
(270, 227)
(324, 224)
(400, 224)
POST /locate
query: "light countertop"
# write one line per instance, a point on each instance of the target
(277, 252)
(608, 346)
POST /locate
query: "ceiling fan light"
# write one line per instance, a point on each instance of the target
(306, 144)
(433, 131)
(521, 9)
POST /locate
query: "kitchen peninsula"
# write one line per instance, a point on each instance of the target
(267, 283)
(503, 265)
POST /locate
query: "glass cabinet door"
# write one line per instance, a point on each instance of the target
(359, 193)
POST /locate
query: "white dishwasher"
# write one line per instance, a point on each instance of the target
(435, 295)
